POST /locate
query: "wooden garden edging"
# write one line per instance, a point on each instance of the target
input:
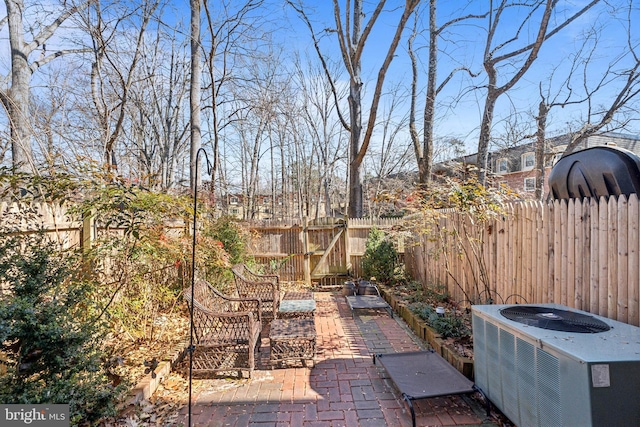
(428, 334)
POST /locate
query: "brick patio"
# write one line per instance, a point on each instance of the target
(344, 388)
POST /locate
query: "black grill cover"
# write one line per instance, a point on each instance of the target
(595, 172)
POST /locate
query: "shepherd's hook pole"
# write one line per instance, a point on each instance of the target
(193, 267)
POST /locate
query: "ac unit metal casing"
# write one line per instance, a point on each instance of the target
(540, 377)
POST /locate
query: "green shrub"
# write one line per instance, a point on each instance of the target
(380, 257)
(50, 335)
(436, 293)
(139, 258)
(233, 237)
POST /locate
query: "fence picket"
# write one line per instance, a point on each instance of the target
(612, 265)
(633, 271)
(622, 261)
(585, 244)
(578, 250)
(595, 256)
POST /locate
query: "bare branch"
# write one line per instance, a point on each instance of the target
(410, 6)
(367, 30)
(550, 34)
(50, 29)
(43, 61)
(316, 45)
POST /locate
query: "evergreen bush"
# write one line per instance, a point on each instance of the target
(50, 332)
(380, 257)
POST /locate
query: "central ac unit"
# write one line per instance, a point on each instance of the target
(550, 365)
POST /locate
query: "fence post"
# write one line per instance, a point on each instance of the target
(347, 247)
(88, 231)
(306, 264)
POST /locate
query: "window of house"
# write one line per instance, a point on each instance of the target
(503, 166)
(529, 184)
(528, 161)
(235, 211)
(233, 200)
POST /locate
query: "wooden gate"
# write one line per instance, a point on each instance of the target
(327, 249)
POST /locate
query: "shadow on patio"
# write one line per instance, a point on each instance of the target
(344, 388)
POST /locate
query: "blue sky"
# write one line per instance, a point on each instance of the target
(458, 116)
(465, 44)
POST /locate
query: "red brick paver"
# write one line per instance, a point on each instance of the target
(344, 388)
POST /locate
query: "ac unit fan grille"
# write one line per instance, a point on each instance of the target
(554, 319)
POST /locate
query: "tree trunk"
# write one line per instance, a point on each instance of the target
(355, 107)
(413, 132)
(18, 109)
(17, 101)
(352, 41)
(194, 101)
(429, 108)
(355, 173)
(541, 121)
(485, 132)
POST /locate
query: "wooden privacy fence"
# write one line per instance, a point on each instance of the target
(582, 253)
(51, 218)
(326, 250)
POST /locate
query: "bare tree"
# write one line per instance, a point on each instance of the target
(230, 30)
(115, 68)
(16, 86)
(497, 54)
(322, 126)
(195, 119)
(424, 150)
(47, 106)
(5, 145)
(391, 157)
(255, 109)
(352, 38)
(563, 97)
(157, 133)
(624, 72)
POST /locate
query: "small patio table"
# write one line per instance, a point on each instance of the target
(292, 295)
(292, 340)
(297, 305)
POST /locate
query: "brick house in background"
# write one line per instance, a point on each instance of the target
(515, 166)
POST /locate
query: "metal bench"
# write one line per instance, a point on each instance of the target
(372, 301)
(265, 287)
(226, 330)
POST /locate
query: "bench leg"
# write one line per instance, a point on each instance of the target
(409, 401)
